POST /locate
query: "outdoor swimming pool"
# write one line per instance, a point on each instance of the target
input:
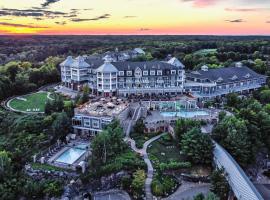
(185, 114)
(72, 154)
(82, 146)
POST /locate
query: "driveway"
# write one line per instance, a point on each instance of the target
(112, 195)
(188, 190)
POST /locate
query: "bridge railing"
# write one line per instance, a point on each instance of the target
(238, 180)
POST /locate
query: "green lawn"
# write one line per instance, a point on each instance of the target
(206, 51)
(33, 101)
(165, 150)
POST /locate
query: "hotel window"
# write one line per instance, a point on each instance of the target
(137, 73)
(173, 72)
(95, 123)
(129, 73)
(87, 122)
(159, 72)
(152, 73)
(121, 73)
(145, 73)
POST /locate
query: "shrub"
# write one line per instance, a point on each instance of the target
(173, 165)
(163, 185)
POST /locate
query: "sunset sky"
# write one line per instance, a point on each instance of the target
(215, 17)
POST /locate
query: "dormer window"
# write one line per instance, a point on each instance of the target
(219, 79)
(234, 77)
(247, 75)
(121, 73)
(129, 73)
(152, 72)
(145, 73)
(159, 72)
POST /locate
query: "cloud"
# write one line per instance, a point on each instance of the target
(37, 18)
(48, 2)
(30, 13)
(105, 16)
(247, 9)
(21, 25)
(144, 29)
(235, 21)
(201, 3)
(130, 16)
(61, 23)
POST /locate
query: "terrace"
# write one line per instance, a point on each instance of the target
(162, 114)
(102, 107)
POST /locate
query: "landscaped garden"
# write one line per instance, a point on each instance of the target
(165, 150)
(138, 134)
(34, 102)
(141, 138)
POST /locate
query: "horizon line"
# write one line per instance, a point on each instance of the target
(244, 35)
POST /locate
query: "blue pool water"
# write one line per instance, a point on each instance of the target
(70, 155)
(185, 114)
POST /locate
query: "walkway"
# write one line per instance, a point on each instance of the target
(143, 151)
(188, 190)
(111, 195)
(239, 182)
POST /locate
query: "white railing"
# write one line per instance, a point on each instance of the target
(238, 180)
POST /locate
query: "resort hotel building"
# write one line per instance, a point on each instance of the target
(123, 78)
(116, 76)
(108, 76)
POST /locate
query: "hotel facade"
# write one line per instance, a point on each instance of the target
(108, 77)
(113, 75)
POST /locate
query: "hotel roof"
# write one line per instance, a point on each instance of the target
(226, 74)
(79, 62)
(147, 65)
(107, 67)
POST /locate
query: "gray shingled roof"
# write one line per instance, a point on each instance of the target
(69, 60)
(79, 62)
(121, 66)
(229, 74)
(107, 67)
(129, 65)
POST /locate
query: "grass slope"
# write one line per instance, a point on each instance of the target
(34, 101)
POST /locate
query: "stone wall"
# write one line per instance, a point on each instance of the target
(40, 174)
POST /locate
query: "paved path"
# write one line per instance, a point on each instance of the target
(111, 195)
(143, 151)
(150, 169)
(188, 190)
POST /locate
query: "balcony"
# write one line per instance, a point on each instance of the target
(151, 89)
(220, 92)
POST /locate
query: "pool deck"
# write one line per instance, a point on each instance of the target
(156, 116)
